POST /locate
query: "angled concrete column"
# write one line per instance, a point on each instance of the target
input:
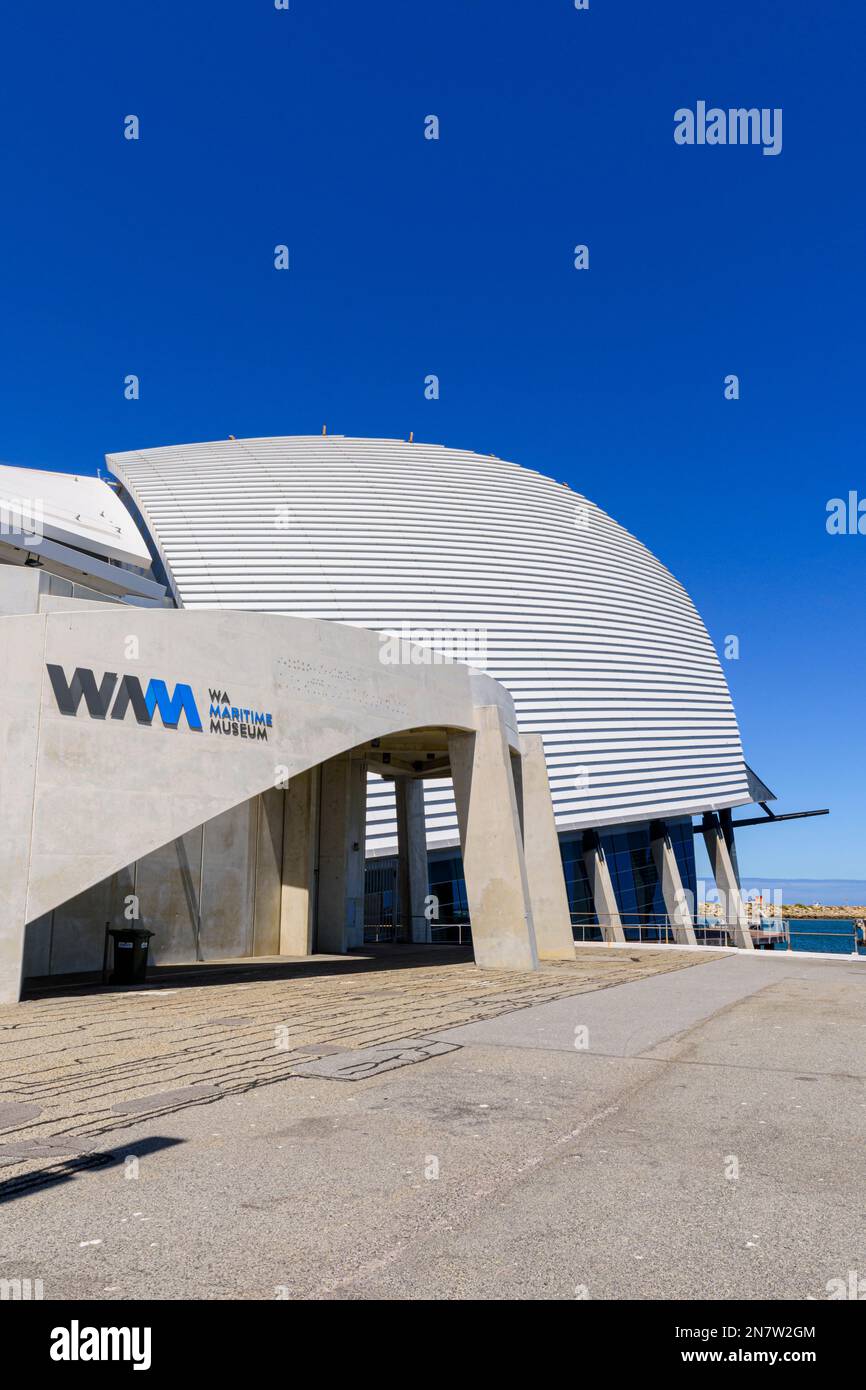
(601, 887)
(340, 907)
(726, 821)
(299, 871)
(412, 858)
(497, 888)
(676, 903)
(551, 915)
(726, 881)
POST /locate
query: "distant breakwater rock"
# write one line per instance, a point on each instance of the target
(800, 910)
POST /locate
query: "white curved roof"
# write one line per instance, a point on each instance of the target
(77, 528)
(74, 509)
(600, 647)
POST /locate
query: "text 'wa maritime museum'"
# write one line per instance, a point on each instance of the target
(274, 694)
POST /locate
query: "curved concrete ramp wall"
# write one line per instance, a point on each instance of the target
(83, 794)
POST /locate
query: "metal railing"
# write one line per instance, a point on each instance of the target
(842, 938)
(451, 933)
(384, 932)
(787, 934)
(637, 926)
(442, 933)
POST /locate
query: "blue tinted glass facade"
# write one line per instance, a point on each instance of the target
(447, 884)
(583, 917)
(629, 858)
(633, 874)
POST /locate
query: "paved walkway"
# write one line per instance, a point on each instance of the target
(704, 1138)
(72, 1068)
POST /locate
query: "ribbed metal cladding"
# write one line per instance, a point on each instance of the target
(601, 648)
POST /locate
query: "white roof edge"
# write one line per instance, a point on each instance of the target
(74, 509)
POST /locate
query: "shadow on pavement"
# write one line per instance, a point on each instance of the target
(220, 972)
(65, 1170)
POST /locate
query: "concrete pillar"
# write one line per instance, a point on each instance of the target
(601, 887)
(21, 658)
(497, 887)
(357, 852)
(551, 915)
(412, 858)
(299, 870)
(726, 821)
(726, 881)
(343, 803)
(676, 903)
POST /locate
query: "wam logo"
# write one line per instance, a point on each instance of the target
(120, 697)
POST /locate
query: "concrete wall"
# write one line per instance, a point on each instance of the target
(232, 864)
(167, 885)
(29, 589)
(88, 789)
(269, 860)
(128, 788)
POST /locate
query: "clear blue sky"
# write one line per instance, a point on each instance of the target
(454, 257)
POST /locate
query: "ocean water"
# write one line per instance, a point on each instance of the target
(835, 936)
(831, 936)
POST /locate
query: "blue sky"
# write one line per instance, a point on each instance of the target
(454, 257)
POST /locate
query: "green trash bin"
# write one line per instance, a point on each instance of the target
(130, 954)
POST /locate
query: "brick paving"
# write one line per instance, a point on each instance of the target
(79, 1067)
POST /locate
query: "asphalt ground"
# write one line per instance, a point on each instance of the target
(668, 1126)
